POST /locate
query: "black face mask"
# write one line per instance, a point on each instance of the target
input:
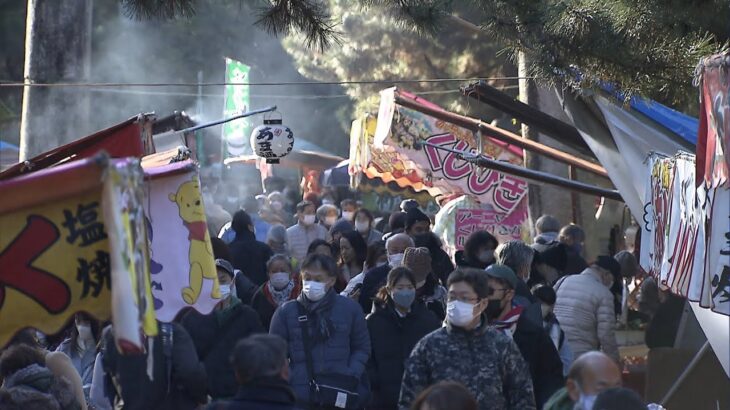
(494, 309)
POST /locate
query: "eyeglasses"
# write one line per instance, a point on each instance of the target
(464, 299)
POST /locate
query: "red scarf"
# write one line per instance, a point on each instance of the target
(196, 230)
(508, 323)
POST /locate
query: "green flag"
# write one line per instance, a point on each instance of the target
(236, 133)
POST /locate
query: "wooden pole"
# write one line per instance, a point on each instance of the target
(502, 135)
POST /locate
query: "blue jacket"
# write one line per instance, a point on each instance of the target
(345, 352)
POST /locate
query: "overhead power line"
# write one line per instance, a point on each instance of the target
(282, 83)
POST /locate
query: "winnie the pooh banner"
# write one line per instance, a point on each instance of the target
(56, 256)
(181, 264)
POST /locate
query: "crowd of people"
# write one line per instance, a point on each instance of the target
(334, 308)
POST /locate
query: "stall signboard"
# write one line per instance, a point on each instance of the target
(505, 227)
(75, 248)
(685, 241)
(237, 133)
(403, 128)
(182, 266)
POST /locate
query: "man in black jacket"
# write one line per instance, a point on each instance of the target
(247, 254)
(262, 371)
(537, 349)
(216, 334)
(179, 380)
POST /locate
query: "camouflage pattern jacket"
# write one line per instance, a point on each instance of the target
(484, 360)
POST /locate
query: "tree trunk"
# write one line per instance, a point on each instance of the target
(530, 96)
(57, 49)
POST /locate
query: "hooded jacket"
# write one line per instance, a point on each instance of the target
(484, 360)
(35, 388)
(393, 338)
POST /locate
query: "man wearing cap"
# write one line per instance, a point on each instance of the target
(585, 308)
(546, 368)
(428, 290)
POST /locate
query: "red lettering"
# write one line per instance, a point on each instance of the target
(481, 182)
(510, 192)
(18, 273)
(455, 168)
(432, 154)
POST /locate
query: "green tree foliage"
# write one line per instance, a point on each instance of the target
(647, 47)
(380, 47)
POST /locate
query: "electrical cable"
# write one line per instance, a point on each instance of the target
(283, 83)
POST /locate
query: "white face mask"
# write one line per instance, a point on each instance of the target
(395, 260)
(225, 291)
(308, 220)
(314, 291)
(362, 226)
(349, 215)
(585, 402)
(459, 313)
(85, 332)
(330, 220)
(279, 280)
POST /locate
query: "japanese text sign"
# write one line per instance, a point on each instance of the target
(503, 227)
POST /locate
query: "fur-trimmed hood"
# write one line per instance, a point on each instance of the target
(36, 388)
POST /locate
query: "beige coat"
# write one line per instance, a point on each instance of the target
(586, 314)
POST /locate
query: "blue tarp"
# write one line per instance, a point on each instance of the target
(8, 146)
(677, 122)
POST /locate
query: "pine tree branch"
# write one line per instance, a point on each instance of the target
(311, 18)
(158, 9)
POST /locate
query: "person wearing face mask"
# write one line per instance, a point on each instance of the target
(281, 287)
(469, 351)
(417, 222)
(214, 335)
(364, 226)
(375, 277)
(326, 333)
(478, 250)
(573, 237)
(428, 290)
(348, 207)
(376, 257)
(546, 368)
(327, 216)
(81, 347)
(585, 308)
(305, 231)
(397, 323)
(590, 374)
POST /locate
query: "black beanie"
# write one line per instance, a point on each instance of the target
(555, 255)
(414, 215)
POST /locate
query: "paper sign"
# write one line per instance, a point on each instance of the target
(504, 227)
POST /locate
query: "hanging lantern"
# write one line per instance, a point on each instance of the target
(272, 140)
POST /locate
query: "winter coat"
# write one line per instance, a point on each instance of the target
(392, 339)
(250, 256)
(299, 237)
(584, 308)
(484, 360)
(35, 388)
(138, 392)
(441, 265)
(575, 263)
(541, 356)
(215, 335)
(264, 304)
(267, 394)
(374, 235)
(661, 331)
(374, 279)
(433, 296)
(345, 352)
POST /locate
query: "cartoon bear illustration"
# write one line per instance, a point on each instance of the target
(190, 204)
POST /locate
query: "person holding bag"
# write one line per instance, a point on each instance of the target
(328, 340)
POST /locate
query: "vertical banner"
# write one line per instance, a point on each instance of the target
(75, 247)
(181, 263)
(236, 134)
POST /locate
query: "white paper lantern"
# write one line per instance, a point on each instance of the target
(272, 140)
